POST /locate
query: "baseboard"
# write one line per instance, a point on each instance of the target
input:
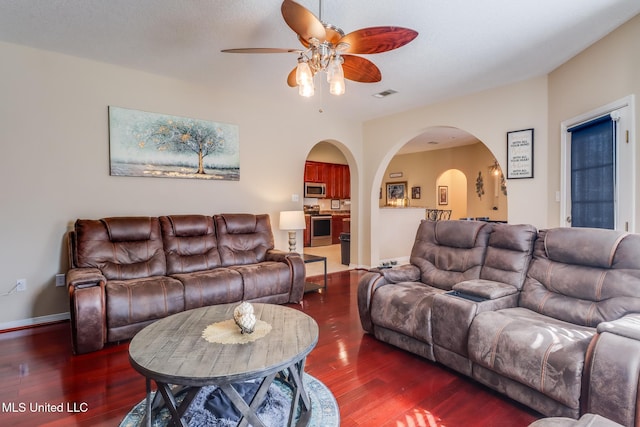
(34, 321)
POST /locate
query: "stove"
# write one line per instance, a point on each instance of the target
(320, 230)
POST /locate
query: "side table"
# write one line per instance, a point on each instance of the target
(308, 258)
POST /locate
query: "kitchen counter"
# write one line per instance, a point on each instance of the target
(335, 212)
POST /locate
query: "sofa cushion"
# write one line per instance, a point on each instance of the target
(449, 252)
(270, 280)
(509, 253)
(134, 301)
(538, 351)
(457, 234)
(210, 287)
(190, 243)
(129, 229)
(599, 285)
(103, 244)
(243, 238)
(406, 308)
(597, 246)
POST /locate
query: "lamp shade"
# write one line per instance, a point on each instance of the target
(292, 220)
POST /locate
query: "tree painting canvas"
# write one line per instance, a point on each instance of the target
(159, 145)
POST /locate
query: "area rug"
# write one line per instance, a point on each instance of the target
(210, 410)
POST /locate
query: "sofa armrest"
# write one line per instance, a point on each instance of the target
(627, 326)
(367, 285)
(375, 278)
(87, 309)
(485, 289)
(612, 371)
(296, 267)
(278, 255)
(402, 273)
(84, 277)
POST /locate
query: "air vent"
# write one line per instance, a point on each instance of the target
(385, 93)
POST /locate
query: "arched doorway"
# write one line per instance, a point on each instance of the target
(443, 168)
(451, 193)
(328, 214)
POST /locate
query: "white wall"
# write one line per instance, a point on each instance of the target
(54, 166)
(397, 232)
(326, 152)
(604, 73)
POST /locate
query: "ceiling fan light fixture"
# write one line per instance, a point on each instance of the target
(335, 76)
(306, 90)
(304, 78)
(327, 48)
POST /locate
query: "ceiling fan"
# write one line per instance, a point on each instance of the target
(328, 49)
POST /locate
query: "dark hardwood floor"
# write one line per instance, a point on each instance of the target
(375, 384)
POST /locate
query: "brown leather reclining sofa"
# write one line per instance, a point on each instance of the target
(127, 272)
(550, 318)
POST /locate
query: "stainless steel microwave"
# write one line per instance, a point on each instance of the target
(315, 189)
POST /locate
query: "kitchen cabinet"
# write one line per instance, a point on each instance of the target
(337, 226)
(315, 172)
(345, 183)
(336, 177)
(307, 231)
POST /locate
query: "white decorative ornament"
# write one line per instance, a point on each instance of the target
(244, 317)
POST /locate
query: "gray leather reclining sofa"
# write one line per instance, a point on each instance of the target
(550, 318)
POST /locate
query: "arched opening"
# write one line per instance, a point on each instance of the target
(442, 169)
(451, 194)
(328, 208)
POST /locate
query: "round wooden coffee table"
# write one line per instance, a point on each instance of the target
(172, 352)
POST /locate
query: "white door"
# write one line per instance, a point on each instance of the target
(598, 177)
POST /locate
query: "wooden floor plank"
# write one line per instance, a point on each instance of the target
(374, 383)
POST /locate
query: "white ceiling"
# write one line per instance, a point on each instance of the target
(437, 138)
(463, 46)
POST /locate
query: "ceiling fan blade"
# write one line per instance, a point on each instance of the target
(260, 50)
(360, 69)
(302, 21)
(377, 39)
(291, 78)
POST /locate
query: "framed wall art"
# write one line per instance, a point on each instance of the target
(396, 191)
(520, 154)
(160, 145)
(415, 192)
(443, 195)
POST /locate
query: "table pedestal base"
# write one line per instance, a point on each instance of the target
(299, 414)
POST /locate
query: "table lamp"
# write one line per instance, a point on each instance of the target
(292, 221)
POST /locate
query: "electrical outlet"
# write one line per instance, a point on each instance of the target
(21, 285)
(60, 280)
